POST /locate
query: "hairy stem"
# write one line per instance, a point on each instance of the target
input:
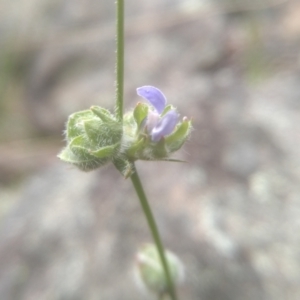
(154, 230)
(135, 178)
(119, 59)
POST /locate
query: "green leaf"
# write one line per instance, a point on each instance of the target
(93, 130)
(100, 134)
(103, 114)
(67, 155)
(78, 147)
(106, 152)
(125, 166)
(140, 113)
(75, 123)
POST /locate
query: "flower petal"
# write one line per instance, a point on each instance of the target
(154, 96)
(152, 120)
(165, 126)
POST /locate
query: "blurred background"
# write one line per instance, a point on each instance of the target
(231, 213)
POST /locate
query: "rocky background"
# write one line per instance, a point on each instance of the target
(231, 213)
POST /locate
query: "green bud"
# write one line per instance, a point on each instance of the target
(94, 138)
(150, 273)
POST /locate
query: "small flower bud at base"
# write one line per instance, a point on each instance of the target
(150, 273)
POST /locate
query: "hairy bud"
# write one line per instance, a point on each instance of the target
(93, 138)
(150, 273)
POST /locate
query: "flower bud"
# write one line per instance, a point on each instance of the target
(150, 273)
(93, 137)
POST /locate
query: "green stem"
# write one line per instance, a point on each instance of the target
(119, 114)
(154, 230)
(120, 60)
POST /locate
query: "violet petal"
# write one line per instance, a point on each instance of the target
(165, 126)
(154, 96)
(153, 119)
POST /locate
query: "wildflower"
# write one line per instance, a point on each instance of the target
(149, 132)
(156, 123)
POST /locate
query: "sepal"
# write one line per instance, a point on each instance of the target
(167, 108)
(159, 149)
(181, 133)
(137, 147)
(140, 113)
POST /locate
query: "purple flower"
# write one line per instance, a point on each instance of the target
(158, 126)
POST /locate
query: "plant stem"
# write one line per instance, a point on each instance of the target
(119, 59)
(154, 230)
(119, 114)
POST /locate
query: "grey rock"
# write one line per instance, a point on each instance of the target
(74, 236)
